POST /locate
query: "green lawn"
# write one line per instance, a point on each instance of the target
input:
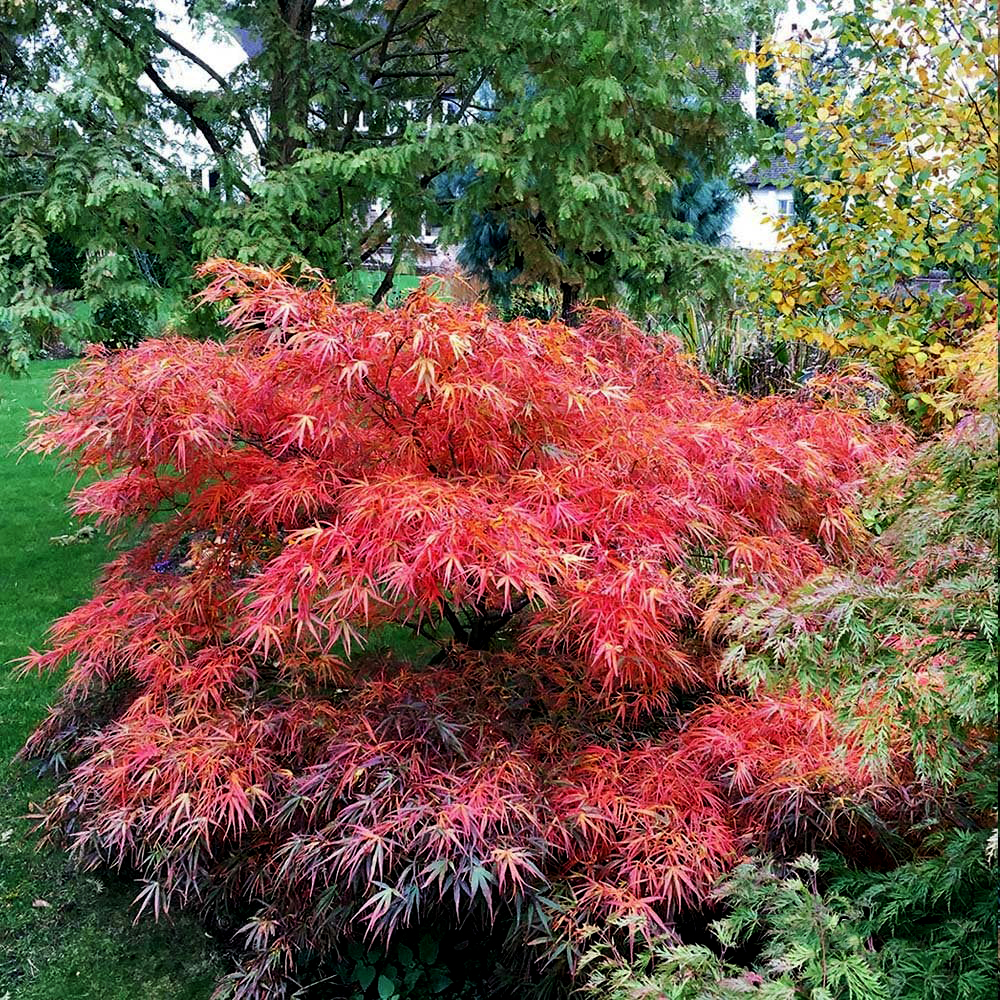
(63, 935)
(362, 284)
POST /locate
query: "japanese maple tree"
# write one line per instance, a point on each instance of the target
(413, 605)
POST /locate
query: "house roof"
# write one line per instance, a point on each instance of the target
(777, 172)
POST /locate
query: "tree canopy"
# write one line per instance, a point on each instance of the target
(574, 117)
(896, 115)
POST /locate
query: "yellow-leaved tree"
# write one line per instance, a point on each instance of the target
(892, 132)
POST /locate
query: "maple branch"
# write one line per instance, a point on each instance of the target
(451, 450)
(456, 625)
(384, 396)
(396, 348)
(484, 624)
(420, 629)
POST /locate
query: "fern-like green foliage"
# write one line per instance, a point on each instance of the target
(575, 116)
(905, 642)
(911, 644)
(809, 946)
(934, 919)
(924, 931)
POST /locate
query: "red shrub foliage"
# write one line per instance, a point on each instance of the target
(331, 473)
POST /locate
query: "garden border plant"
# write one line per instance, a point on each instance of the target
(548, 512)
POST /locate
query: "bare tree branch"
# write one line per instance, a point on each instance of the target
(190, 108)
(184, 103)
(390, 273)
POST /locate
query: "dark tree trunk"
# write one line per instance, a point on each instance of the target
(570, 296)
(289, 99)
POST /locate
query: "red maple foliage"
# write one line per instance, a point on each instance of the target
(544, 510)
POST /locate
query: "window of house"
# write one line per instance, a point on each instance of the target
(360, 122)
(429, 234)
(785, 207)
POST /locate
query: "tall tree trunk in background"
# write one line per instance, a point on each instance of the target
(289, 100)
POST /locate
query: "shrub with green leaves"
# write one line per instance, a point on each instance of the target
(934, 919)
(120, 323)
(422, 969)
(924, 931)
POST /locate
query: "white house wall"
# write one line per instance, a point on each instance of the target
(752, 227)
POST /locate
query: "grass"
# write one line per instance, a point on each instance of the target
(63, 935)
(362, 284)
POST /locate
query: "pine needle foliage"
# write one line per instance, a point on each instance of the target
(546, 512)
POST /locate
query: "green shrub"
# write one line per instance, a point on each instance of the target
(121, 323)
(924, 931)
(423, 969)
